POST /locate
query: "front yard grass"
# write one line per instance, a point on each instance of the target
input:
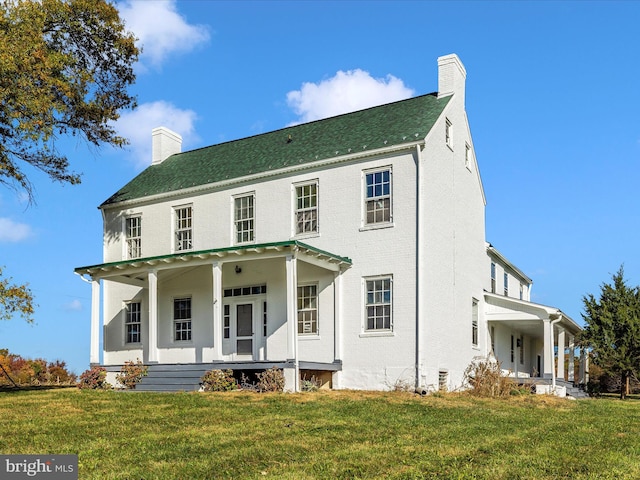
(339, 434)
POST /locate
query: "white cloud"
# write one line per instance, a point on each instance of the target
(73, 306)
(345, 92)
(138, 124)
(11, 231)
(161, 30)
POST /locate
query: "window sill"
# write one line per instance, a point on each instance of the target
(377, 334)
(305, 235)
(376, 226)
(308, 336)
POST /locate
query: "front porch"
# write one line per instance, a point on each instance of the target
(244, 308)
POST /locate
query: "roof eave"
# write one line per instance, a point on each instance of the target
(350, 157)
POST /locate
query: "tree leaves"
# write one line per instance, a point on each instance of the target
(613, 327)
(65, 66)
(15, 300)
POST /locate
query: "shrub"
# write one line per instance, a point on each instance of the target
(484, 376)
(271, 380)
(309, 384)
(219, 381)
(94, 378)
(131, 373)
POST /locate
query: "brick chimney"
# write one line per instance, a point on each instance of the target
(164, 144)
(451, 76)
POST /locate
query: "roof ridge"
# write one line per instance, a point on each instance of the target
(318, 120)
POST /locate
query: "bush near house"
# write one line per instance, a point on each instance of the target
(485, 377)
(131, 373)
(219, 381)
(94, 379)
(271, 380)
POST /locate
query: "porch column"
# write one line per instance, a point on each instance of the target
(547, 334)
(337, 315)
(153, 316)
(572, 354)
(561, 339)
(94, 355)
(291, 263)
(217, 310)
(337, 326)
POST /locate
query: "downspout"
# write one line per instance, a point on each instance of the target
(419, 271)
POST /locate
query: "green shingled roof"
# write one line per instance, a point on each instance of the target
(376, 127)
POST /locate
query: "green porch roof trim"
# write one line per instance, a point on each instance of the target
(377, 127)
(214, 251)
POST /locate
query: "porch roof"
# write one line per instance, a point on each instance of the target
(307, 252)
(525, 315)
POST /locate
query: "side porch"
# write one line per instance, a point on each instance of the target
(534, 343)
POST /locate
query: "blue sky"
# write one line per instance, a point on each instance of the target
(553, 101)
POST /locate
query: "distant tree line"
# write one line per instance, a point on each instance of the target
(17, 371)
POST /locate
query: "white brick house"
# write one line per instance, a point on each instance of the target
(351, 248)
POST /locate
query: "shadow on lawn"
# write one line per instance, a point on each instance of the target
(27, 388)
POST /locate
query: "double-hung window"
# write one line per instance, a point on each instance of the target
(506, 284)
(306, 211)
(133, 232)
(244, 216)
(182, 318)
(132, 322)
(448, 133)
(378, 196)
(378, 304)
(308, 309)
(183, 228)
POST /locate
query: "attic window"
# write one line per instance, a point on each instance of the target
(467, 156)
(448, 132)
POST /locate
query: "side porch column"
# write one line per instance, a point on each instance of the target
(561, 340)
(153, 316)
(547, 367)
(217, 310)
(572, 354)
(291, 264)
(94, 356)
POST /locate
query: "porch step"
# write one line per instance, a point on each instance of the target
(172, 378)
(572, 390)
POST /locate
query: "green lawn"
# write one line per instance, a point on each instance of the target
(324, 435)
